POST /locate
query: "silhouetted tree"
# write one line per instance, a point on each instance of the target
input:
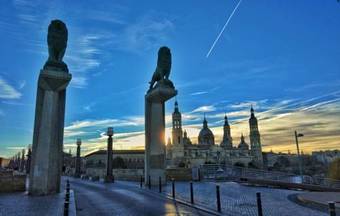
(239, 164)
(334, 169)
(118, 163)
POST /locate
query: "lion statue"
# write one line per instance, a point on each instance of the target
(57, 42)
(163, 68)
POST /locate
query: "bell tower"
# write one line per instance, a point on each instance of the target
(227, 141)
(255, 139)
(177, 132)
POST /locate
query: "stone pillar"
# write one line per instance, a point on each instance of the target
(47, 149)
(78, 159)
(109, 176)
(155, 131)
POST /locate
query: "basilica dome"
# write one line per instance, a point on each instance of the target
(243, 145)
(206, 137)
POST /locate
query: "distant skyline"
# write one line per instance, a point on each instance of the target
(282, 57)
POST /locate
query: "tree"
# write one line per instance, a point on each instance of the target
(239, 164)
(283, 161)
(253, 165)
(118, 163)
(334, 169)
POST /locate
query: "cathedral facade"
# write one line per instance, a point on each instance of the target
(181, 152)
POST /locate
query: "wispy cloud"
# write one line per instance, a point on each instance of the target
(201, 109)
(7, 91)
(144, 34)
(277, 123)
(22, 84)
(198, 93)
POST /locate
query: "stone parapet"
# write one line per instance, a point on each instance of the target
(9, 182)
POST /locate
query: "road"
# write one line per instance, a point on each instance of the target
(96, 198)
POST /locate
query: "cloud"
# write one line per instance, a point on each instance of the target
(204, 109)
(314, 85)
(198, 93)
(144, 34)
(243, 105)
(79, 82)
(22, 84)
(277, 122)
(7, 91)
(104, 123)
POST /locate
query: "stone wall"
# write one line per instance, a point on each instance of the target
(179, 174)
(91, 172)
(9, 182)
(128, 174)
(120, 174)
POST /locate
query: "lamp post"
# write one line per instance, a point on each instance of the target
(109, 176)
(297, 135)
(78, 159)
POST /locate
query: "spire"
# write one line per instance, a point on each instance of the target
(252, 112)
(205, 123)
(225, 120)
(176, 107)
(242, 138)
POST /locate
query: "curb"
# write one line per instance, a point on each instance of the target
(72, 207)
(311, 202)
(183, 202)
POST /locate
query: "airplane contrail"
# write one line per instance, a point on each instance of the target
(225, 25)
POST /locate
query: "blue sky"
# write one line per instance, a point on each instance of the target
(280, 56)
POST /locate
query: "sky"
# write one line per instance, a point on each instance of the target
(282, 57)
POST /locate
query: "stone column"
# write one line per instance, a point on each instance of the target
(47, 149)
(154, 132)
(109, 176)
(78, 159)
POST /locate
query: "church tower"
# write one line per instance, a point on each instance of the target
(177, 133)
(255, 139)
(227, 141)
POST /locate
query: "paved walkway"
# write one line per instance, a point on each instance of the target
(96, 198)
(20, 204)
(240, 200)
(320, 198)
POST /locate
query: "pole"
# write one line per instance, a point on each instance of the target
(259, 204)
(191, 193)
(173, 189)
(218, 198)
(331, 206)
(299, 156)
(160, 184)
(149, 182)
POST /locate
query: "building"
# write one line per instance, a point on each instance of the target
(127, 164)
(182, 153)
(128, 159)
(326, 157)
(4, 162)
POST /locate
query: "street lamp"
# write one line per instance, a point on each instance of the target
(297, 135)
(109, 176)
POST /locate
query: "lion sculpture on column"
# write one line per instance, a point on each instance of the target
(57, 42)
(162, 72)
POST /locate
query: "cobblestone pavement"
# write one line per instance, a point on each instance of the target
(237, 199)
(20, 204)
(97, 198)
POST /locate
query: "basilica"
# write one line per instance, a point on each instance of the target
(181, 152)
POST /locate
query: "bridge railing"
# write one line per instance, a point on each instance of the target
(224, 172)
